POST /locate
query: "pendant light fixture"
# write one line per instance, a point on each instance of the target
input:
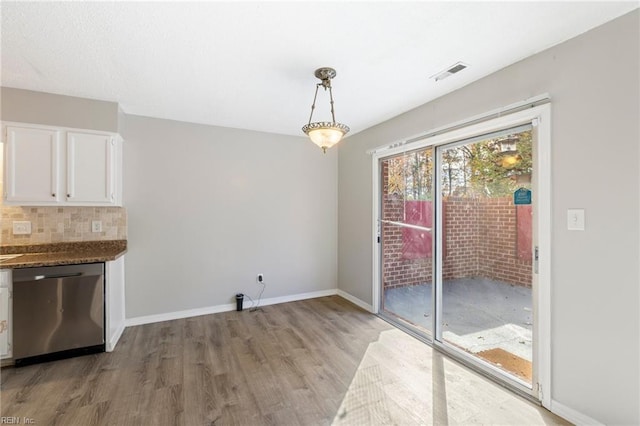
(509, 156)
(323, 133)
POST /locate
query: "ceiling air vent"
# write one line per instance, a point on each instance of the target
(450, 71)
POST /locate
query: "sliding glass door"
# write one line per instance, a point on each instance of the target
(485, 275)
(406, 239)
(457, 252)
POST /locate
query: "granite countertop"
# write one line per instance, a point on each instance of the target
(36, 255)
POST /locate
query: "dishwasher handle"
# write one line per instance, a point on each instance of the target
(48, 277)
(39, 274)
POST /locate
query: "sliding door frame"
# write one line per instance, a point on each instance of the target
(540, 117)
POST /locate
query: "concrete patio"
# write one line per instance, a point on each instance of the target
(478, 314)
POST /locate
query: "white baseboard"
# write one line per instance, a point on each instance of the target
(572, 415)
(148, 319)
(296, 297)
(113, 339)
(367, 307)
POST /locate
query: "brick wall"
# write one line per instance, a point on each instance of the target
(461, 236)
(397, 271)
(498, 248)
(480, 241)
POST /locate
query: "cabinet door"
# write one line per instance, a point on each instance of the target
(114, 302)
(90, 168)
(32, 165)
(5, 322)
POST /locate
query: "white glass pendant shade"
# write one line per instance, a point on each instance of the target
(509, 152)
(325, 135)
(508, 161)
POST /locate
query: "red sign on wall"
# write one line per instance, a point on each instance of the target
(523, 235)
(417, 243)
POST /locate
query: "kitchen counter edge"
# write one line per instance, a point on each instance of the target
(68, 253)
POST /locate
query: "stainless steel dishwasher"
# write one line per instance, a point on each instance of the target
(58, 312)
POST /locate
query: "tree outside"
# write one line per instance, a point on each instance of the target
(478, 169)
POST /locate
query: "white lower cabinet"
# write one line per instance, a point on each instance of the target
(5, 314)
(114, 302)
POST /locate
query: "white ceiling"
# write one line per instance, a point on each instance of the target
(250, 64)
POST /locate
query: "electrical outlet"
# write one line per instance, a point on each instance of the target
(96, 226)
(260, 278)
(21, 227)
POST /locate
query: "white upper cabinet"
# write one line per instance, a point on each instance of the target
(31, 164)
(90, 168)
(46, 165)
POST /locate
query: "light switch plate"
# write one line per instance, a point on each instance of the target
(21, 227)
(575, 219)
(96, 226)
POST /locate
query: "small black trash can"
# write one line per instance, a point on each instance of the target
(239, 300)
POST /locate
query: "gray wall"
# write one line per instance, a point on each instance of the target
(56, 110)
(594, 84)
(209, 208)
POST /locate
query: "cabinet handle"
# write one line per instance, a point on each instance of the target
(53, 194)
(68, 195)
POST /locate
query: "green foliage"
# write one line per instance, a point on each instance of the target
(472, 170)
(489, 176)
(411, 175)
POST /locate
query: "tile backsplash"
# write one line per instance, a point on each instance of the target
(63, 224)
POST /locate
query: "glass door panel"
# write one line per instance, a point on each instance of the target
(406, 238)
(486, 260)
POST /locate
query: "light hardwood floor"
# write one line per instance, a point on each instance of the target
(311, 362)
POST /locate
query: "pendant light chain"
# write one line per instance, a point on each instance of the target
(315, 96)
(333, 115)
(313, 105)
